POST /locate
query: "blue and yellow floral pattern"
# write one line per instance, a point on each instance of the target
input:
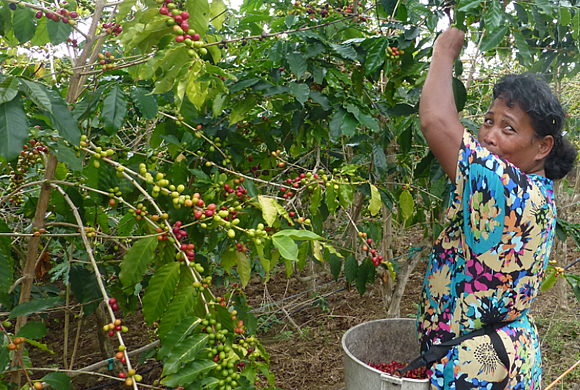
(485, 268)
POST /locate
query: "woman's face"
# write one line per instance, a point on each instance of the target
(508, 133)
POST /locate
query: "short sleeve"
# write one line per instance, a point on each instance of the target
(479, 182)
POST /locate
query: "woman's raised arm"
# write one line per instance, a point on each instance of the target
(439, 120)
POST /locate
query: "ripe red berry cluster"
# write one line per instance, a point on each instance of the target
(67, 16)
(178, 19)
(371, 251)
(394, 54)
(113, 303)
(295, 182)
(188, 249)
(140, 211)
(73, 42)
(15, 344)
(255, 170)
(179, 233)
(106, 61)
(115, 327)
(240, 192)
(113, 28)
(389, 368)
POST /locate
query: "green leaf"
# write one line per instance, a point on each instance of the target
(349, 124)
(297, 64)
(124, 9)
(58, 32)
(345, 195)
(314, 49)
(320, 99)
(6, 261)
(522, 45)
(549, 281)
(402, 109)
(33, 330)
(114, 109)
(241, 108)
(335, 266)
(468, 5)
(574, 281)
(180, 306)
(365, 274)
(147, 104)
(302, 255)
(34, 306)
(330, 199)
(85, 287)
(6, 265)
(160, 291)
(369, 121)
(229, 258)
(376, 55)
(269, 209)
(576, 23)
(492, 40)
(37, 93)
(13, 128)
(407, 204)
(41, 37)
(244, 268)
(8, 89)
(375, 202)
(345, 51)
(199, 15)
(336, 124)
(218, 14)
(379, 159)
(57, 380)
(178, 333)
(184, 352)
(304, 235)
(545, 6)
(287, 247)
(493, 16)
(137, 260)
(126, 225)
(315, 200)
(350, 269)
(67, 156)
(189, 373)
(23, 21)
(300, 92)
(62, 119)
(459, 93)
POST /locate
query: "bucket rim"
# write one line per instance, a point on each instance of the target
(363, 364)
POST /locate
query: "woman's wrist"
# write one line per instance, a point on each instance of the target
(443, 57)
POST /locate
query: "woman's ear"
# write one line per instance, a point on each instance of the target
(545, 147)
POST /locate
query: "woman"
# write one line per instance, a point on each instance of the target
(486, 266)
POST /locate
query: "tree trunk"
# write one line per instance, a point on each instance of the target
(31, 258)
(394, 310)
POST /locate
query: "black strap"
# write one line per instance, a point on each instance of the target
(501, 353)
(438, 351)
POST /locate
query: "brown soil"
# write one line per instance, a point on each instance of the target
(307, 353)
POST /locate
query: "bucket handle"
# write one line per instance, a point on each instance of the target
(391, 379)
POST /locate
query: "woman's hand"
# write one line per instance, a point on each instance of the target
(449, 43)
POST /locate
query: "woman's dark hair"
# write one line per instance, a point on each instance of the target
(547, 117)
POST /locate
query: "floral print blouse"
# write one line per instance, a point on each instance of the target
(487, 265)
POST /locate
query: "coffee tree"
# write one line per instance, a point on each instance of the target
(165, 151)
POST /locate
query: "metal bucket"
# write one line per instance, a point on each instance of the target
(380, 341)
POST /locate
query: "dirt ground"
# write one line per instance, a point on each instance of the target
(303, 336)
